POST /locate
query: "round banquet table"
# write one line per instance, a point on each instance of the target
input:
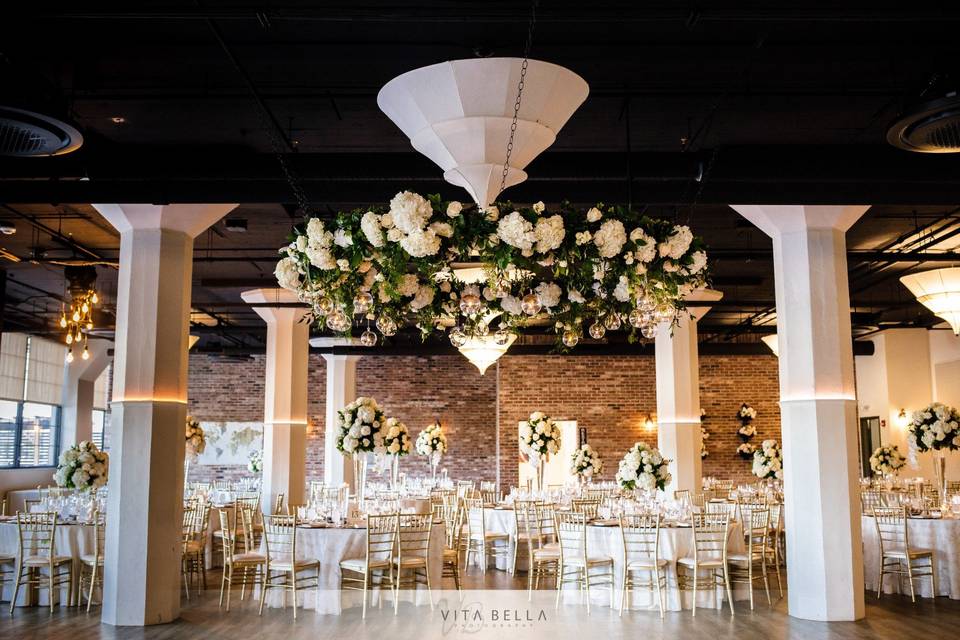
(941, 535)
(675, 543)
(71, 540)
(331, 545)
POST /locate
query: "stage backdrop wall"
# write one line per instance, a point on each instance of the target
(610, 396)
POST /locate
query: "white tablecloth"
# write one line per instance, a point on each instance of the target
(332, 545)
(675, 543)
(940, 535)
(71, 540)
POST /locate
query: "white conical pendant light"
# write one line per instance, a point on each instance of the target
(459, 114)
(939, 291)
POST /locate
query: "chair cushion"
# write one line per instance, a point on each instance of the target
(546, 554)
(192, 546)
(916, 552)
(300, 564)
(646, 563)
(249, 557)
(492, 536)
(577, 561)
(743, 558)
(704, 563)
(90, 560)
(410, 561)
(42, 561)
(360, 564)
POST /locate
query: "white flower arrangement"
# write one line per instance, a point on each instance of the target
(255, 461)
(394, 253)
(746, 413)
(768, 460)
(360, 427)
(887, 460)
(746, 451)
(643, 467)
(586, 462)
(83, 466)
(432, 440)
(747, 431)
(704, 436)
(195, 437)
(935, 427)
(396, 438)
(539, 437)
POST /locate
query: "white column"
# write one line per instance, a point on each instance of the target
(285, 395)
(818, 407)
(77, 399)
(678, 395)
(145, 503)
(341, 391)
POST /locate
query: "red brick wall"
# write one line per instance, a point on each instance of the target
(608, 395)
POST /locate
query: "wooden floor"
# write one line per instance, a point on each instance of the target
(891, 617)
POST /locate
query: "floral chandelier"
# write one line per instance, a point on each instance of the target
(601, 269)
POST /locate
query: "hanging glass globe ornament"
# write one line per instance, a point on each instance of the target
(362, 302)
(637, 319)
(324, 306)
(597, 330)
(457, 337)
(570, 338)
(368, 338)
(649, 331)
(338, 321)
(387, 325)
(501, 337)
(612, 321)
(482, 329)
(646, 302)
(470, 303)
(531, 304)
(665, 313)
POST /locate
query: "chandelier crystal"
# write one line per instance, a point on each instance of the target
(939, 291)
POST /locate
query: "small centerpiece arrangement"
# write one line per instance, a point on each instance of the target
(887, 460)
(704, 436)
(746, 414)
(936, 428)
(586, 463)
(83, 466)
(746, 432)
(255, 461)
(644, 468)
(396, 443)
(539, 437)
(432, 442)
(746, 451)
(196, 443)
(768, 461)
(359, 433)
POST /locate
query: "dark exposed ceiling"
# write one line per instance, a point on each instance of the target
(725, 102)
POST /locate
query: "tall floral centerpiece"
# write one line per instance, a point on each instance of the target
(255, 461)
(586, 463)
(768, 461)
(83, 466)
(360, 433)
(887, 460)
(539, 437)
(196, 442)
(643, 468)
(396, 443)
(432, 442)
(936, 428)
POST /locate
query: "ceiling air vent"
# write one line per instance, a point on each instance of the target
(27, 134)
(929, 127)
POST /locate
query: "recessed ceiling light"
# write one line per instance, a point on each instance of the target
(118, 120)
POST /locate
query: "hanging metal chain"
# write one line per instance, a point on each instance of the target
(531, 25)
(277, 146)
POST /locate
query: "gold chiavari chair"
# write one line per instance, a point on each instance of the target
(749, 504)
(728, 508)
(709, 554)
(244, 560)
(488, 486)
(587, 507)
(195, 549)
(378, 561)
(479, 541)
(278, 505)
(700, 499)
(36, 551)
(897, 557)
(776, 541)
(641, 553)
(596, 494)
(682, 495)
(453, 516)
(520, 513)
(186, 536)
(953, 487)
(743, 567)
(464, 487)
(282, 566)
(576, 564)
(413, 554)
(29, 504)
(3, 507)
(490, 496)
(543, 554)
(222, 485)
(870, 500)
(200, 488)
(93, 561)
(723, 489)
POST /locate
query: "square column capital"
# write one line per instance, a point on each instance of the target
(190, 219)
(776, 220)
(287, 309)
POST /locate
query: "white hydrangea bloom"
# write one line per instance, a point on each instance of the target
(549, 293)
(516, 231)
(370, 225)
(288, 274)
(549, 233)
(420, 243)
(410, 211)
(610, 238)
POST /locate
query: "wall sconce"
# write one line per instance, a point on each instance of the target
(649, 421)
(902, 420)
